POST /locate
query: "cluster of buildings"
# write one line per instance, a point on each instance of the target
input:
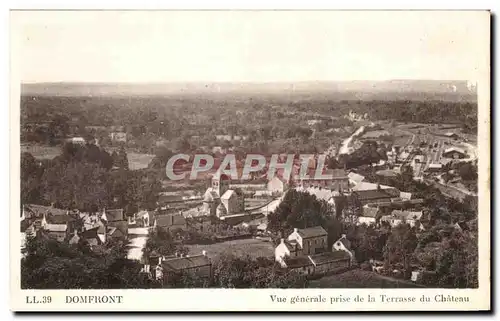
(73, 226)
(306, 251)
(167, 268)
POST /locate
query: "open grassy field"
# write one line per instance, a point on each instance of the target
(359, 279)
(254, 248)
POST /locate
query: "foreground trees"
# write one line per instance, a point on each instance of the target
(49, 264)
(83, 177)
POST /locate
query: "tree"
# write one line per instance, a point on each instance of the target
(400, 247)
(299, 210)
(49, 264)
(468, 172)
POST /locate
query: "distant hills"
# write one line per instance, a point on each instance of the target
(362, 90)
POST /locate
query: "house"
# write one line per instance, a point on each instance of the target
(277, 185)
(367, 186)
(57, 231)
(77, 140)
(336, 179)
(355, 178)
(144, 219)
(320, 193)
(170, 222)
(197, 265)
(451, 135)
(91, 236)
(387, 173)
(301, 242)
(31, 211)
(290, 256)
(405, 196)
(373, 196)
(344, 245)
(330, 262)
(233, 201)
(398, 217)
(59, 226)
(115, 218)
(311, 240)
(369, 216)
(433, 168)
(454, 153)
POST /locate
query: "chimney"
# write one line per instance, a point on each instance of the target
(343, 236)
(76, 232)
(295, 230)
(282, 241)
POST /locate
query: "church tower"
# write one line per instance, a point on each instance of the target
(220, 184)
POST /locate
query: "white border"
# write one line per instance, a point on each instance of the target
(216, 5)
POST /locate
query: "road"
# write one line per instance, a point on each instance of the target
(344, 148)
(138, 237)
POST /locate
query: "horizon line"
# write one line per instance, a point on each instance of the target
(237, 81)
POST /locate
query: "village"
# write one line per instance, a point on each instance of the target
(232, 215)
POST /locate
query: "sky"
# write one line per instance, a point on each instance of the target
(248, 46)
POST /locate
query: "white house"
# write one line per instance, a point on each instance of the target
(277, 185)
(343, 244)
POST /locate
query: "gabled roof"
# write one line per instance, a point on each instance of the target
(56, 227)
(345, 241)
(210, 195)
(188, 262)
(407, 215)
(170, 220)
(114, 215)
(297, 262)
(372, 195)
(309, 232)
(228, 194)
(59, 219)
(454, 149)
(367, 186)
(355, 177)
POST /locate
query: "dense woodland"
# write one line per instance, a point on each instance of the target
(87, 178)
(188, 123)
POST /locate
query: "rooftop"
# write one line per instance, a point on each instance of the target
(327, 257)
(113, 215)
(187, 262)
(309, 232)
(297, 262)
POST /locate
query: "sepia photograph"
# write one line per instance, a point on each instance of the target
(300, 150)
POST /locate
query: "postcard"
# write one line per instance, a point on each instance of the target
(250, 160)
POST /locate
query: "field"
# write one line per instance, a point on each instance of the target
(135, 160)
(359, 279)
(41, 151)
(254, 248)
